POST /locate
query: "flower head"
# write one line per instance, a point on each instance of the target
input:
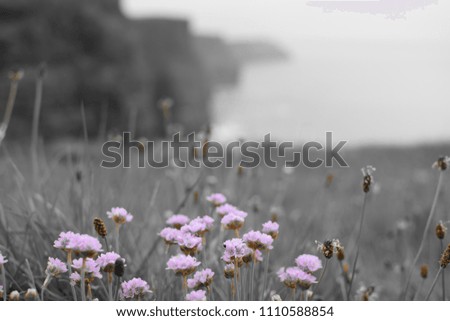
(201, 279)
(55, 267)
(119, 215)
(189, 243)
(224, 209)
(182, 264)
(271, 228)
(308, 263)
(258, 241)
(85, 245)
(91, 268)
(177, 220)
(233, 221)
(228, 271)
(65, 240)
(107, 261)
(216, 199)
(199, 225)
(293, 276)
(170, 235)
(199, 295)
(133, 289)
(235, 249)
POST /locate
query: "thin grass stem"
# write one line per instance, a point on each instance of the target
(433, 284)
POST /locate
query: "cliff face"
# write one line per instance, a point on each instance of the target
(116, 67)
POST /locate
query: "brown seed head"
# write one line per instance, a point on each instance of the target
(445, 257)
(442, 163)
(16, 75)
(100, 227)
(14, 296)
(440, 230)
(424, 271)
(340, 253)
(119, 267)
(31, 295)
(328, 249)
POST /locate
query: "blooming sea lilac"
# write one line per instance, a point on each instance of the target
(189, 244)
(232, 221)
(182, 264)
(225, 209)
(199, 295)
(91, 268)
(177, 220)
(119, 215)
(216, 199)
(258, 241)
(234, 249)
(134, 289)
(107, 260)
(271, 228)
(65, 240)
(308, 263)
(201, 278)
(86, 245)
(55, 267)
(293, 276)
(170, 235)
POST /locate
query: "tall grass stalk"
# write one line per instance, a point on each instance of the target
(266, 272)
(252, 279)
(433, 284)
(422, 242)
(358, 242)
(35, 125)
(15, 78)
(116, 238)
(320, 277)
(44, 286)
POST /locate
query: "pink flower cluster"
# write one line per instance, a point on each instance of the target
(177, 220)
(308, 263)
(107, 260)
(182, 264)
(235, 249)
(271, 228)
(201, 278)
(225, 209)
(170, 235)
(135, 288)
(293, 276)
(199, 225)
(91, 268)
(55, 267)
(234, 220)
(119, 215)
(199, 295)
(258, 241)
(216, 199)
(80, 243)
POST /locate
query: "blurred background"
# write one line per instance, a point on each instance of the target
(371, 72)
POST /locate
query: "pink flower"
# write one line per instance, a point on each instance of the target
(199, 295)
(64, 241)
(216, 199)
(75, 278)
(107, 260)
(177, 220)
(55, 267)
(119, 215)
(258, 256)
(3, 260)
(91, 268)
(232, 221)
(293, 276)
(308, 263)
(234, 249)
(189, 244)
(136, 288)
(225, 209)
(199, 225)
(270, 227)
(170, 235)
(201, 278)
(182, 264)
(85, 244)
(258, 241)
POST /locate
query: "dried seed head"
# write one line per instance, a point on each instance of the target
(14, 296)
(275, 297)
(31, 295)
(340, 254)
(119, 267)
(442, 163)
(327, 248)
(424, 271)
(440, 230)
(368, 177)
(345, 268)
(274, 217)
(196, 197)
(100, 227)
(445, 257)
(16, 75)
(240, 170)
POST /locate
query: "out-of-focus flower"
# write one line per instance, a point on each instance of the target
(258, 256)
(119, 215)
(134, 289)
(228, 271)
(232, 221)
(327, 248)
(177, 220)
(169, 235)
(216, 199)
(55, 267)
(199, 225)
(308, 263)
(182, 264)
(258, 241)
(31, 295)
(271, 228)
(366, 293)
(368, 177)
(225, 209)
(3, 260)
(199, 295)
(107, 261)
(201, 279)
(14, 296)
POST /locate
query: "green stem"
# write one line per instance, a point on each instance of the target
(422, 242)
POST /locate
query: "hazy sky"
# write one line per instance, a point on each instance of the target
(286, 20)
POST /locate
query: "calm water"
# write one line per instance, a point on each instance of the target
(373, 93)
